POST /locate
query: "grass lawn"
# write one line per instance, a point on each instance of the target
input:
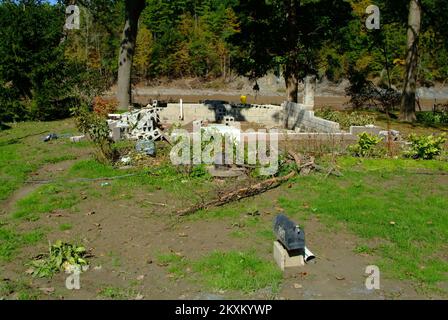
(397, 208)
(390, 202)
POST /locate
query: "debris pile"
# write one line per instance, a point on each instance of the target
(142, 124)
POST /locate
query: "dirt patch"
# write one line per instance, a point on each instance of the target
(127, 239)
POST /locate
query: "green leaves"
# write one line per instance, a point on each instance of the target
(61, 256)
(366, 146)
(425, 147)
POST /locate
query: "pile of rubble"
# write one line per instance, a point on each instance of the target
(142, 124)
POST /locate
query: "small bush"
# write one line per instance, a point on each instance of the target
(366, 146)
(425, 147)
(61, 256)
(98, 130)
(432, 118)
(103, 107)
(346, 119)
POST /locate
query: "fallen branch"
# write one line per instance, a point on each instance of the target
(239, 194)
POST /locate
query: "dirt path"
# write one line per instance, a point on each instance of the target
(46, 172)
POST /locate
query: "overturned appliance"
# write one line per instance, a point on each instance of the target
(140, 124)
(290, 249)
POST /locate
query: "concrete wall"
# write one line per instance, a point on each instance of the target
(298, 117)
(268, 115)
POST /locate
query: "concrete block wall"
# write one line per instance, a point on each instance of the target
(298, 117)
(269, 115)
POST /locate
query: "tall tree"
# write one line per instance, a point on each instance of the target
(410, 80)
(133, 9)
(286, 33)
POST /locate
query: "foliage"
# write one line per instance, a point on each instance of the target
(425, 147)
(346, 119)
(36, 79)
(103, 107)
(433, 118)
(366, 146)
(61, 256)
(199, 171)
(98, 130)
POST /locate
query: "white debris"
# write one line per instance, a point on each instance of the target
(136, 125)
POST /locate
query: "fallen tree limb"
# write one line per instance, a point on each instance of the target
(239, 194)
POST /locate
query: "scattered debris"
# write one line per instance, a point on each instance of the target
(51, 136)
(239, 194)
(146, 146)
(340, 278)
(156, 203)
(77, 139)
(140, 124)
(47, 291)
(297, 286)
(105, 184)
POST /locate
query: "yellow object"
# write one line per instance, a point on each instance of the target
(243, 99)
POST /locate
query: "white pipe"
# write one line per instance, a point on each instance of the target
(181, 117)
(309, 256)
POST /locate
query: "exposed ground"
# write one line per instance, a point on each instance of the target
(390, 213)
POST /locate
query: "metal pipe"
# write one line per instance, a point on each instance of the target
(309, 256)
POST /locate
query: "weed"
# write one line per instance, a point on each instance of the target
(61, 256)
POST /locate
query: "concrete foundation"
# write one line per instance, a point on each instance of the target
(284, 260)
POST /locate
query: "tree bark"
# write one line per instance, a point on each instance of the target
(133, 9)
(292, 85)
(291, 72)
(410, 82)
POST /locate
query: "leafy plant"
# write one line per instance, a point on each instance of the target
(98, 130)
(431, 118)
(199, 171)
(103, 107)
(61, 256)
(425, 147)
(366, 146)
(346, 119)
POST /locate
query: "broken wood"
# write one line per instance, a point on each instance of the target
(239, 194)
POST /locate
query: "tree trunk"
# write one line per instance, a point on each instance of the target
(410, 81)
(292, 85)
(291, 72)
(133, 9)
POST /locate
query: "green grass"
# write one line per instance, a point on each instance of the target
(11, 241)
(242, 271)
(116, 293)
(371, 195)
(176, 264)
(22, 151)
(45, 199)
(20, 289)
(65, 226)
(237, 271)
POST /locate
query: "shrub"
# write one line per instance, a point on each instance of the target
(97, 129)
(103, 107)
(425, 147)
(346, 119)
(431, 118)
(366, 146)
